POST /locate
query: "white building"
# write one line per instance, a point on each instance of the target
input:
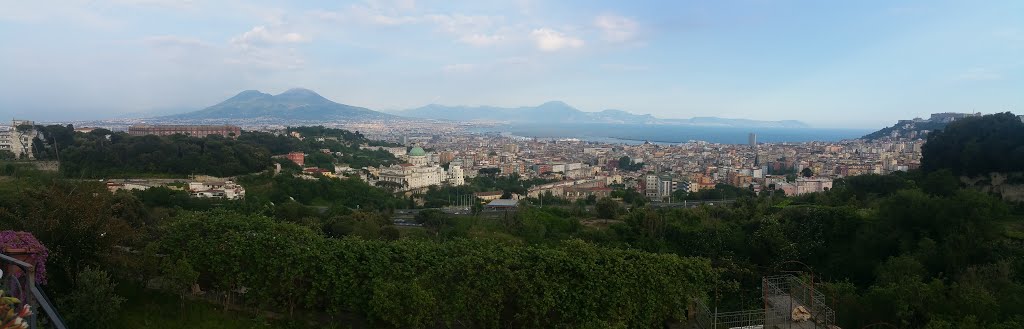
(652, 184)
(418, 157)
(417, 173)
(456, 176)
(226, 190)
(812, 185)
(18, 142)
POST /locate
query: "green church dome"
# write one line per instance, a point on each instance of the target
(417, 151)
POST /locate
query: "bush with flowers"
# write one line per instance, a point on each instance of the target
(25, 246)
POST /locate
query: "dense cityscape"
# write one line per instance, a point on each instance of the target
(655, 169)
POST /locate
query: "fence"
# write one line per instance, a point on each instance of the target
(19, 281)
(781, 294)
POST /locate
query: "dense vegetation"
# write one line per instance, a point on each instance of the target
(916, 250)
(337, 263)
(441, 196)
(977, 146)
(103, 154)
(413, 284)
(93, 155)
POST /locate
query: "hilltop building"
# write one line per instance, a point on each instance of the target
(417, 156)
(948, 117)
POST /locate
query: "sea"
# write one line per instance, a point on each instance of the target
(673, 134)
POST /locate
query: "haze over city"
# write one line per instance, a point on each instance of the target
(765, 60)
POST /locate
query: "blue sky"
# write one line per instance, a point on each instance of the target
(855, 64)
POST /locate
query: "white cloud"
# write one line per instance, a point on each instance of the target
(481, 40)
(459, 68)
(616, 28)
(474, 30)
(979, 74)
(367, 15)
(457, 23)
(547, 39)
(261, 35)
(392, 20)
(268, 59)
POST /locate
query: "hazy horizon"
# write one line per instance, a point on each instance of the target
(831, 65)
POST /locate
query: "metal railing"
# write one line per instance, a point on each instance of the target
(705, 318)
(799, 293)
(781, 295)
(44, 314)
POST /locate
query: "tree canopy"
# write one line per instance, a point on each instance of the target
(977, 146)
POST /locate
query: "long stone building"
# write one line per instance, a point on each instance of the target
(190, 130)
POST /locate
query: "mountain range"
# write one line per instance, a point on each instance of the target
(303, 105)
(560, 112)
(293, 105)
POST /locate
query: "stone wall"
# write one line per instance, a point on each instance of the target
(1009, 185)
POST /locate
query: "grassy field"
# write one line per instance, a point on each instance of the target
(146, 309)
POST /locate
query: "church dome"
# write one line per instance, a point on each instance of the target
(417, 151)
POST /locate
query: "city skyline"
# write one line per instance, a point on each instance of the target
(855, 65)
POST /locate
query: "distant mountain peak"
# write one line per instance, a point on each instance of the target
(295, 104)
(248, 95)
(555, 103)
(554, 112)
(299, 91)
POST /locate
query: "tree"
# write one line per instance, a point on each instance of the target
(607, 208)
(432, 219)
(976, 146)
(178, 277)
(92, 303)
(625, 163)
(490, 172)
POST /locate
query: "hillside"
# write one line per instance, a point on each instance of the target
(977, 146)
(293, 105)
(918, 128)
(560, 112)
(906, 128)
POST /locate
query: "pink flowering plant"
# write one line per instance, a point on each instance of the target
(26, 242)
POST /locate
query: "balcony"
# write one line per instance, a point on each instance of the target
(18, 280)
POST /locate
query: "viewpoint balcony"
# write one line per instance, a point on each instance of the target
(18, 280)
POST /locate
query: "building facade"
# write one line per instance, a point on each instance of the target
(298, 158)
(17, 140)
